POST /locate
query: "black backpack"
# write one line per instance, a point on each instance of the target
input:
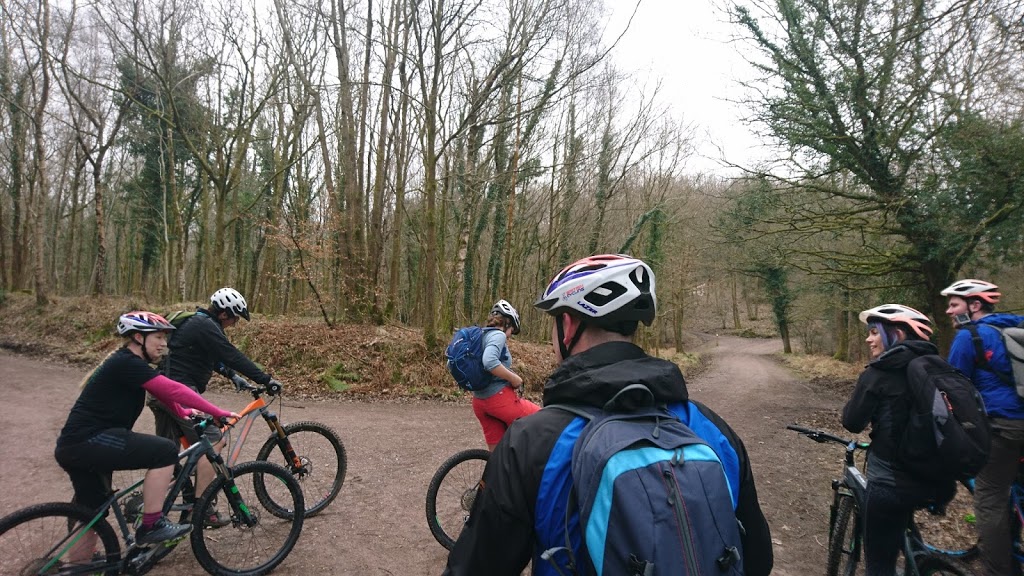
(947, 434)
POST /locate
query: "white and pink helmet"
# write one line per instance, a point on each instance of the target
(609, 288)
(140, 321)
(987, 291)
(899, 314)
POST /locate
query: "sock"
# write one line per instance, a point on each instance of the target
(150, 518)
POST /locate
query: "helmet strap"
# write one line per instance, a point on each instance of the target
(145, 353)
(566, 351)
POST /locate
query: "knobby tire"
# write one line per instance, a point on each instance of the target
(238, 549)
(28, 534)
(844, 542)
(446, 521)
(324, 464)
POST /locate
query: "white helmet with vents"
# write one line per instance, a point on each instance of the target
(899, 314)
(140, 321)
(230, 301)
(508, 311)
(608, 288)
(987, 291)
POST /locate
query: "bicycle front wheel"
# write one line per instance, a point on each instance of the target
(321, 464)
(844, 542)
(451, 494)
(256, 541)
(37, 540)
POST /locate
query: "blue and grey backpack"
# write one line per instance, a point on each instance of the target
(464, 358)
(652, 497)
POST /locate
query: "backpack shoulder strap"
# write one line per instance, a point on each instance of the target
(979, 353)
(586, 413)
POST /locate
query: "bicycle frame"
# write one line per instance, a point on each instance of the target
(261, 408)
(191, 457)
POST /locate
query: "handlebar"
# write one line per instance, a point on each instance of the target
(272, 388)
(200, 424)
(821, 436)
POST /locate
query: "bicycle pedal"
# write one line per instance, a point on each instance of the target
(175, 542)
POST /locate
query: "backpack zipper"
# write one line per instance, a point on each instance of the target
(676, 502)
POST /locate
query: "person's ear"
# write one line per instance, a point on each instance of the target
(569, 327)
(901, 334)
(973, 305)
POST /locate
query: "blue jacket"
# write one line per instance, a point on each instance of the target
(520, 511)
(1001, 400)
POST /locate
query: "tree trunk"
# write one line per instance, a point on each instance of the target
(41, 193)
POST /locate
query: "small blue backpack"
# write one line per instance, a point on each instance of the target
(464, 358)
(653, 497)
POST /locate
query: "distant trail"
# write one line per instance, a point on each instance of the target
(747, 385)
(377, 525)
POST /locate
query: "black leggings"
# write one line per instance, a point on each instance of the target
(886, 517)
(90, 463)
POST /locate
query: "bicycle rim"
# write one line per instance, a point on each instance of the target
(933, 565)
(844, 545)
(239, 549)
(452, 492)
(31, 537)
(323, 464)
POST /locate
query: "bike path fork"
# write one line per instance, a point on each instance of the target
(283, 442)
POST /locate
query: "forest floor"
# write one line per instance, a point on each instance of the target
(395, 442)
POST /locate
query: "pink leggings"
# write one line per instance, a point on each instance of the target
(497, 412)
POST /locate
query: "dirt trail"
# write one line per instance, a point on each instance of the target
(377, 525)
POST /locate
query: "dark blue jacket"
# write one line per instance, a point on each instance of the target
(520, 511)
(1001, 400)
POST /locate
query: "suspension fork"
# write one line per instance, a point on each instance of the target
(235, 501)
(295, 464)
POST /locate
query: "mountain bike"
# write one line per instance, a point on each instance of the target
(311, 451)
(846, 522)
(452, 492)
(264, 502)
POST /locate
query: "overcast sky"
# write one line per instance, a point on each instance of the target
(686, 44)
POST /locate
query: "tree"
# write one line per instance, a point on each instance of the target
(877, 91)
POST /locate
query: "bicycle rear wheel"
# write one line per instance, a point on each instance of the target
(933, 565)
(32, 538)
(322, 463)
(844, 543)
(953, 533)
(451, 494)
(256, 546)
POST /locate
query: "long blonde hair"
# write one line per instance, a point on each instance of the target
(88, 375)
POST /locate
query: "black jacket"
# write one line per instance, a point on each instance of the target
(198, 346)
(500, 535)
(880, 398)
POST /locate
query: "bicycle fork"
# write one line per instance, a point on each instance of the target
(237, 505)
(294, 462)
